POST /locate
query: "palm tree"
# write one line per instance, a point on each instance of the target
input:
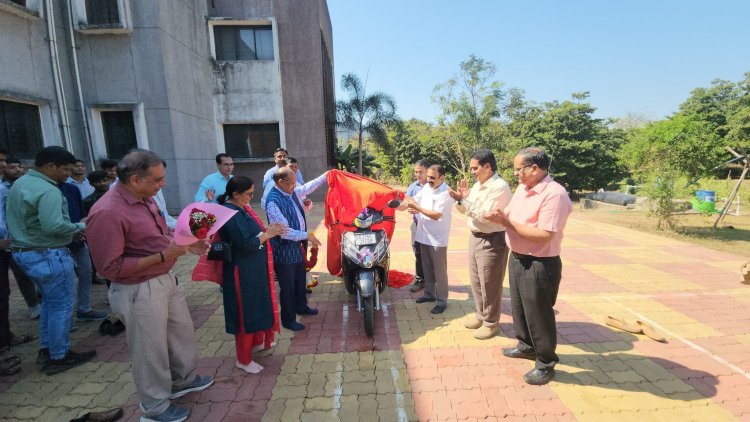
(365, 114)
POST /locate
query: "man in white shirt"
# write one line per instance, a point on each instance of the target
(278, 156)
(488, 254)
(432, 206)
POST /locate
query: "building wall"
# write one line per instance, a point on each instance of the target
(161, 67)
(289, 90)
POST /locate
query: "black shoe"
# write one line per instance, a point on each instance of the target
(70, 360)
(513, 352)
(42, 358)
(424, 299)
(539, 376)
(308, 291)
(418, 285)
(294, 326)
(438, 309)
(308, 311)
(106, 416)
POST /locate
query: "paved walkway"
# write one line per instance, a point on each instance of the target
(424, 367)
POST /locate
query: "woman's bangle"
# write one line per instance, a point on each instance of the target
(161, 254)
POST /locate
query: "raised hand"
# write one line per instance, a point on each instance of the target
(463, 188)
(497, 216)
(210, 194)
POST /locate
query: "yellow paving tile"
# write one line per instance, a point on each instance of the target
(598, 307)
(641, 278)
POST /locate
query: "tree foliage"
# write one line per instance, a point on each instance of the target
(366, 115)
(470, 104)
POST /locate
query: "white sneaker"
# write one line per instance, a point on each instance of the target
(250, 368)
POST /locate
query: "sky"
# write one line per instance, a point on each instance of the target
(640, 57)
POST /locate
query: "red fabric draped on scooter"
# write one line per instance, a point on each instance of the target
(348, 194)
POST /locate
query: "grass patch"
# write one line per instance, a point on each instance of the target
(696, 228)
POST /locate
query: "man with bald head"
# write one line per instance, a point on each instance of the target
(283, 206)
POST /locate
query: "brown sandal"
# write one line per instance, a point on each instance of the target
(623, 325)
(651, 332)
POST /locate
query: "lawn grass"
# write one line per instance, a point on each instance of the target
(697, 228)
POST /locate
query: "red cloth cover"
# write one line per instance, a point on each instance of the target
(348, 194)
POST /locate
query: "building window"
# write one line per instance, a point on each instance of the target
(102, 12)
(20, 129)
(251, 141)
(119, 133)
(243, 42)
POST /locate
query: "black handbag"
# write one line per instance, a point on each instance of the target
(220, 251)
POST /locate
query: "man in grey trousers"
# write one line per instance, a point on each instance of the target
(432, 206)
(131, 246)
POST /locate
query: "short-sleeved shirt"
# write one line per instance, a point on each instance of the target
(121, 230)
(214, 181)
(545, 206)
(434, 232)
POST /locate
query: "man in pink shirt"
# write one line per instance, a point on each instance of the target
(534, 221)
(131, 245)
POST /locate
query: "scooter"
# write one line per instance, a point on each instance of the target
(365, 259)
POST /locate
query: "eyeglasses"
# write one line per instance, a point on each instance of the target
(518, 170)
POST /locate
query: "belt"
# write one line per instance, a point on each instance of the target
(523, 257)
(35, 249)
(486, 235)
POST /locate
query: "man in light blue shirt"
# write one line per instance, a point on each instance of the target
(78, 178)
(215, 184)
(279, 155)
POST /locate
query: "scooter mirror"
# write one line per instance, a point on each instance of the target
(394, 203)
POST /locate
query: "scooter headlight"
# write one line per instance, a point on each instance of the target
(350, 249)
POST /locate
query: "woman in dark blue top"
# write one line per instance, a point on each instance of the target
(250, 308)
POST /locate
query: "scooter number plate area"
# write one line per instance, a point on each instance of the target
(365, 239)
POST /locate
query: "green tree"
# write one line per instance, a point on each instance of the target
(469, 102)
(366, 115)
(663, 151)
(583, 149)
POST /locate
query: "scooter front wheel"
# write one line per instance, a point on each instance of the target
(369, 308)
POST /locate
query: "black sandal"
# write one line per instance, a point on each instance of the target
(10, 365)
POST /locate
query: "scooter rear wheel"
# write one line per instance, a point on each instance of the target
(369, 308)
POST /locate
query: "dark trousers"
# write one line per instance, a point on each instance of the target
(417, 248)
(25, 284)
(292, 290)
(4, 299)
(534, 283)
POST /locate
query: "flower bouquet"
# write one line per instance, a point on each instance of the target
(201, 222)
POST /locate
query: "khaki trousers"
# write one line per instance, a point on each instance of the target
(488, 257)
(160, 337)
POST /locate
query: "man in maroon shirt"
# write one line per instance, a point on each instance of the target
(132, 247)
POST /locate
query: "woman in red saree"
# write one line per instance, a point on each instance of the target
(250, 308)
